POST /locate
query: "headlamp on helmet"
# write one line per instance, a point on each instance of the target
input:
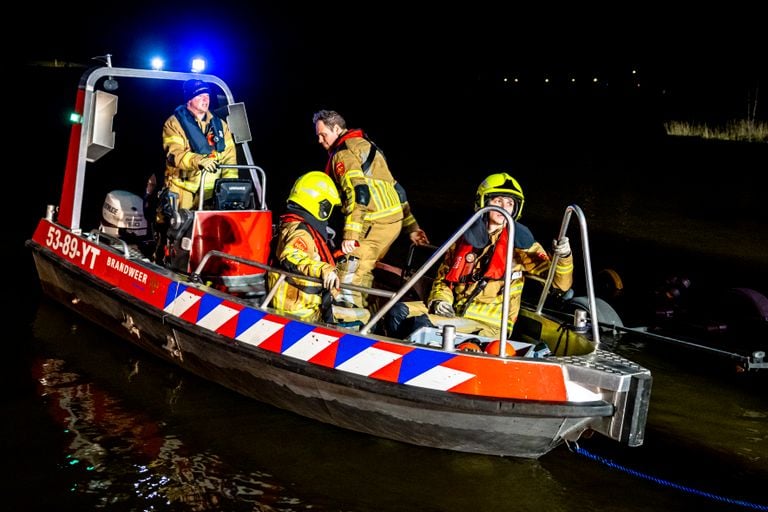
(316, 192)
(500, 184)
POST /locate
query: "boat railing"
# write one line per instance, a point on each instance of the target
(394, 297)
(414, 277)
(435, 257)
(196, 276)
(96, 235)
(569, 210)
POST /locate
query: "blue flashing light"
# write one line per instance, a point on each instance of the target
(157, 63)
(198, 65)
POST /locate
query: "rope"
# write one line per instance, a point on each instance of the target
(662, 481)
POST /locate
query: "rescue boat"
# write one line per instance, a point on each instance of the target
(209, 313)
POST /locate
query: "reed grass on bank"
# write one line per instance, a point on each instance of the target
(737, 130)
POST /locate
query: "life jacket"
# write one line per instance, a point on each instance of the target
(201, 143)
(465, 260)
(341, 144)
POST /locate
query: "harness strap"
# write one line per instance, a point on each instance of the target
(371, 155)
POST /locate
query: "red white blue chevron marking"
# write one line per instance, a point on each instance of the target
(349, 352)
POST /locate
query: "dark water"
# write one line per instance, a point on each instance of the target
(92, 423)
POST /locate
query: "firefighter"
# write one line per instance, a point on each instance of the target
(375, 205)
(195, 140)
(469, 286)
(303, 248)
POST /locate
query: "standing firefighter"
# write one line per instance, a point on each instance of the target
(375, 206)
(195, 141)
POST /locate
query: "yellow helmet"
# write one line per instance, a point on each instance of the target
(316, 192)
(500, 184)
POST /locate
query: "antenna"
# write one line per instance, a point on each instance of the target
(110, 84)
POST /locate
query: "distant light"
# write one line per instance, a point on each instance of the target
(506, 79)
(198, 65)
(158, 63)
(594, 79)
(634, 71)
(573, 80)
(546, 80)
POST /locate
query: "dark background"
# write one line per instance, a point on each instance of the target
(427, 84)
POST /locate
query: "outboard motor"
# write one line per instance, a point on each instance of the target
(122, 216)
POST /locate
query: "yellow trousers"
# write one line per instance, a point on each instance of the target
(373, 247)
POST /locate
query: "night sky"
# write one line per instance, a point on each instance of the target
(330, 46)
(427, 83)
(432, 72)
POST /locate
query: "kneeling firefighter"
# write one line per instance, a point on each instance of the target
(303, 247)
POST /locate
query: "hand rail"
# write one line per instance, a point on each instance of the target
(587, 269)
(195, 276)
(95, 234)
(394, 297)
(440, 252)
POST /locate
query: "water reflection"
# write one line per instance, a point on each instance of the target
(117, 454)
(141, 435)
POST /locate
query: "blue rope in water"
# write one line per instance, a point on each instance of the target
(661, 481)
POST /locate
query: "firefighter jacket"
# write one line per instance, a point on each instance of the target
(370, 192)
(301, 249)
(472, 279)
(187, 141)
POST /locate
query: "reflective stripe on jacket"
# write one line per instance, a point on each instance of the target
(345, 165)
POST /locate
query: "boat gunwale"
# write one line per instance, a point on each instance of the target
(497, 406)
